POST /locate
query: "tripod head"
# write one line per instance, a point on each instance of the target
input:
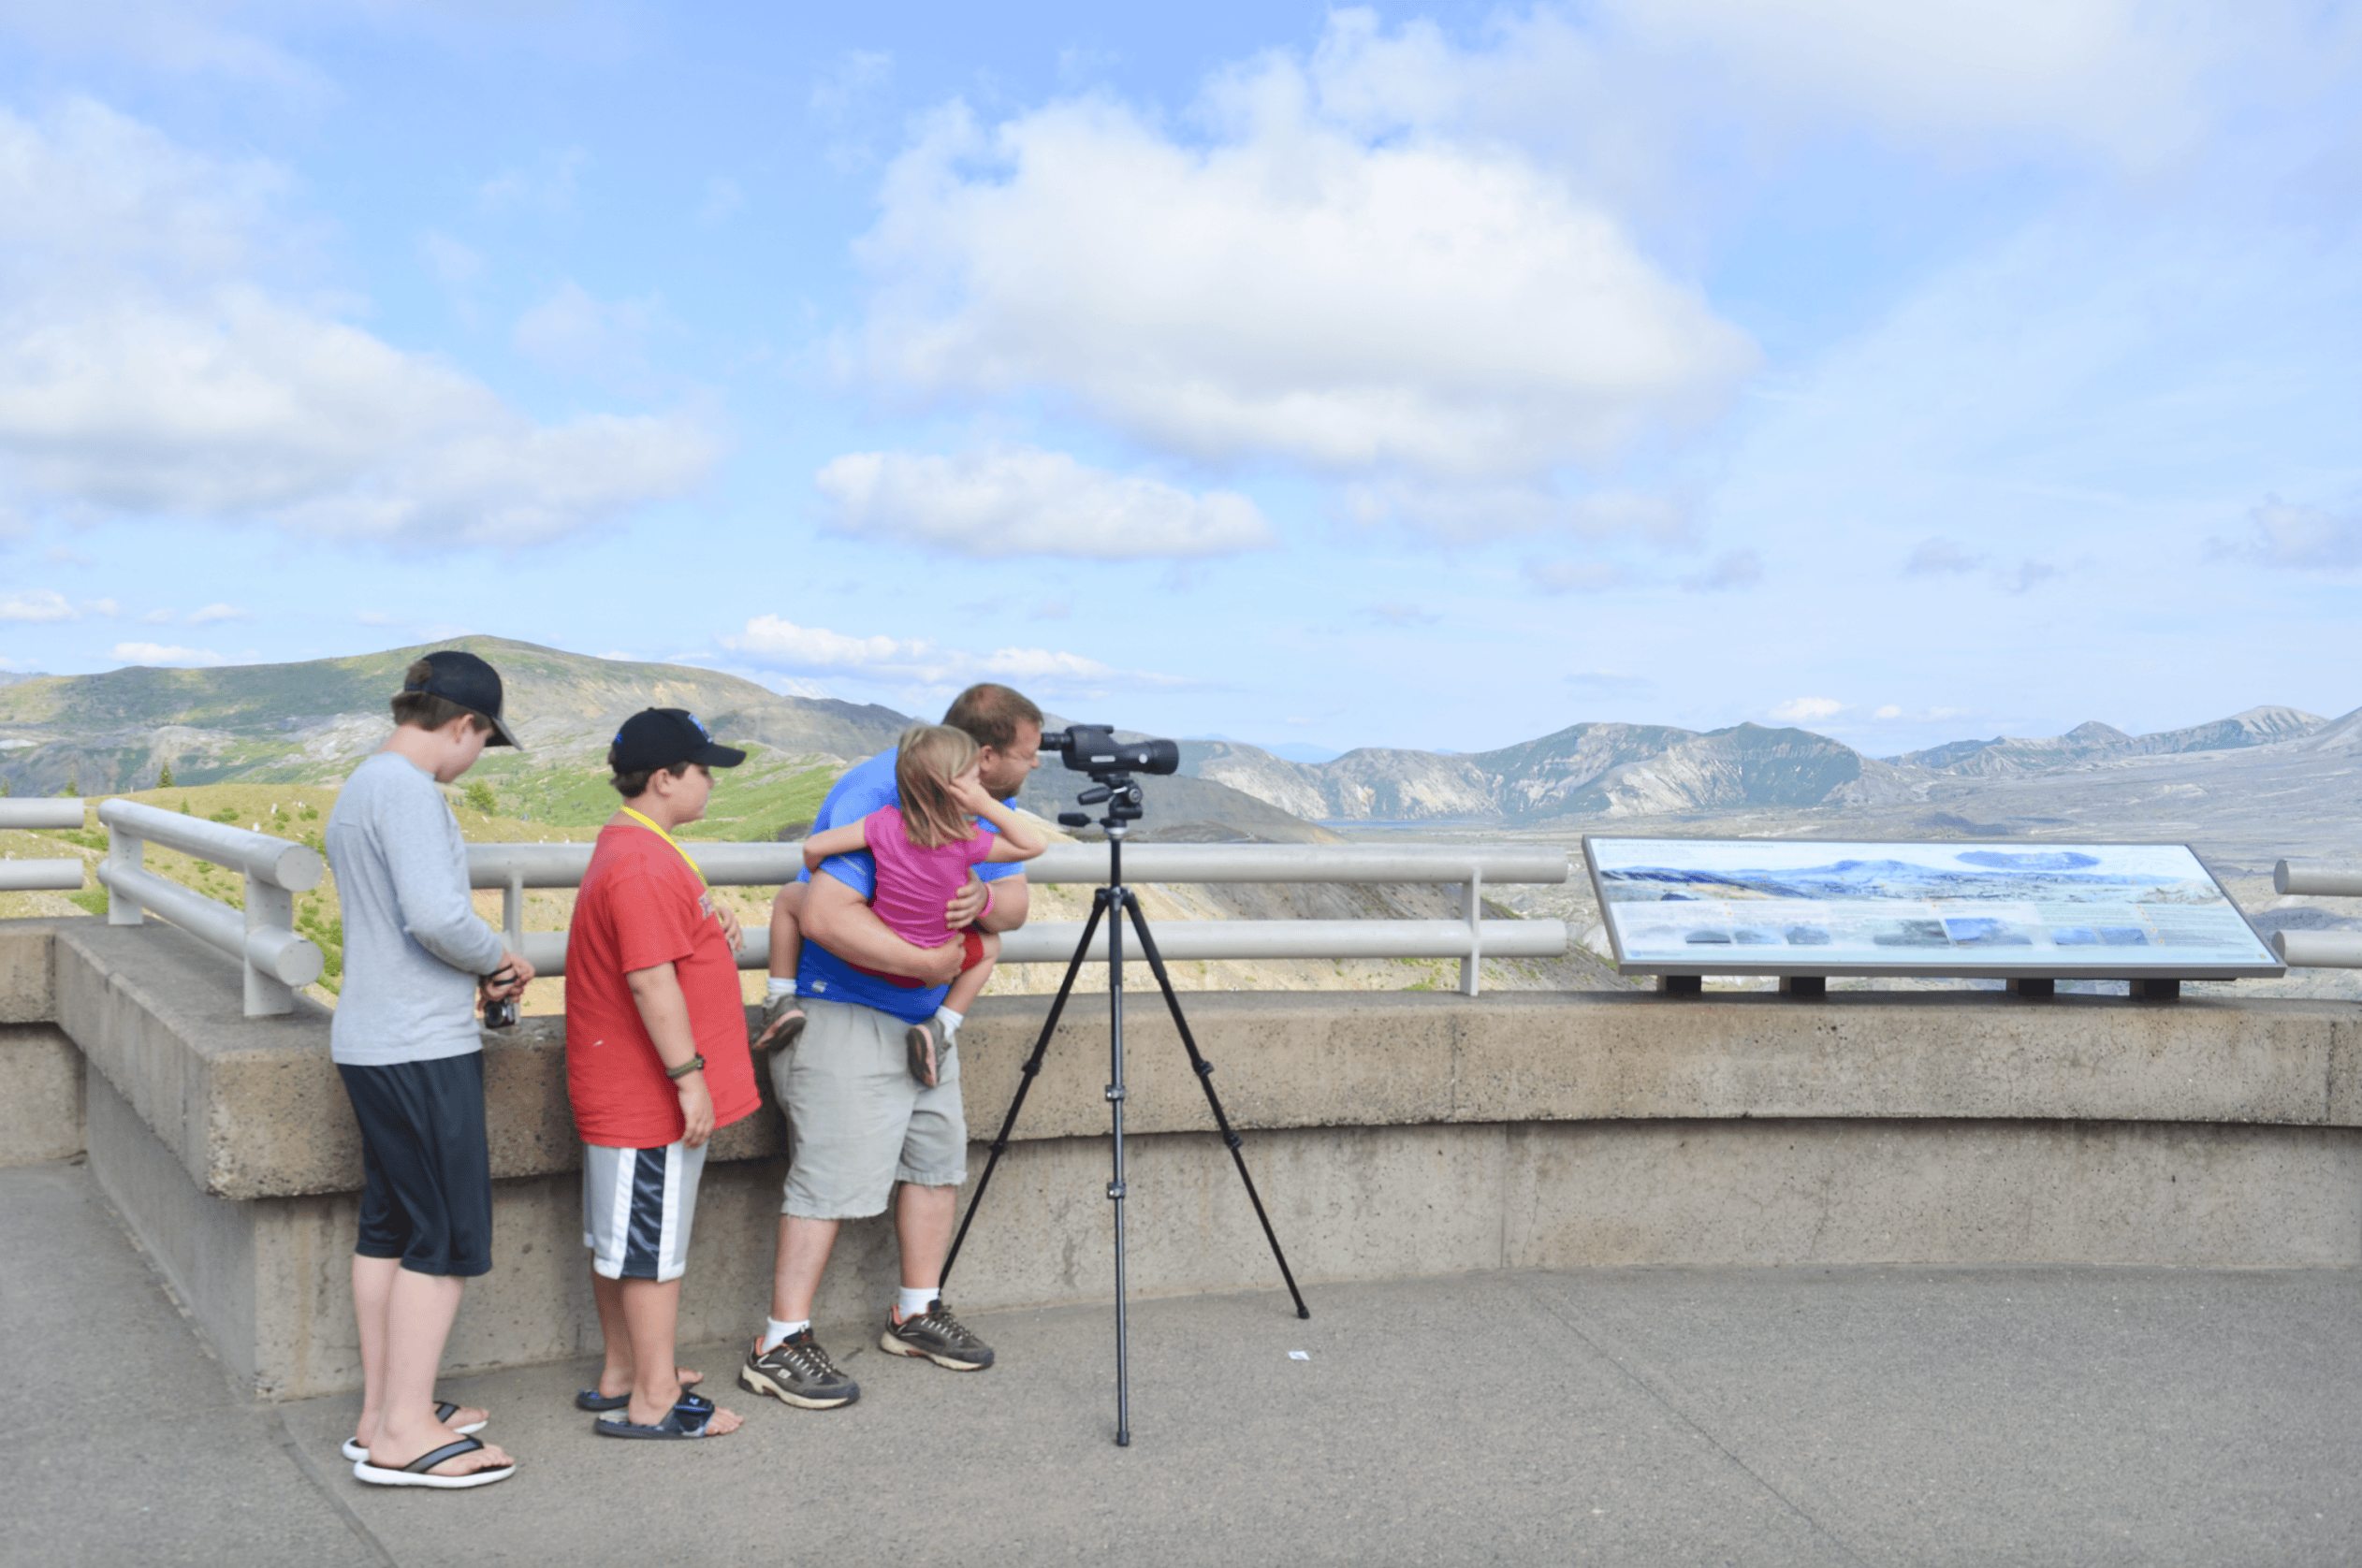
(1121, 793)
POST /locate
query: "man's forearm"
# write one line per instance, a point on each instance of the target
(849, 928)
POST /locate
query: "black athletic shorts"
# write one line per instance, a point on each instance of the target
(428, 1199)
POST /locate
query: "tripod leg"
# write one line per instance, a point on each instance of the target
(1121, 896)
(1204, 1069)
(1025, 1084)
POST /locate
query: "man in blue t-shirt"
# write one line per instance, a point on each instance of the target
(859, 1123)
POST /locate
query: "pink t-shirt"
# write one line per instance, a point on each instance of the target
(914, 884)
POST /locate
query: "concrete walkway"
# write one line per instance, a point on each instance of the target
(1646, 1416)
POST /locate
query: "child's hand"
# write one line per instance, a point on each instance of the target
(968, 793)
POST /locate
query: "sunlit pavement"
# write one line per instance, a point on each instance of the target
(1773, 1415)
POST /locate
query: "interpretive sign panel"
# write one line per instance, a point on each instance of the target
(2006, 910)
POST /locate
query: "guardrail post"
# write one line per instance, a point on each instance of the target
(1472, 910)
(268, 908)
(513, 911)
(125, 851)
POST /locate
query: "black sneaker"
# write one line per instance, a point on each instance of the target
(940, 1337)
(797, 1371)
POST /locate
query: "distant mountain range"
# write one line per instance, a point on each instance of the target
(309, 723)
(312, 720)
(1639, 769)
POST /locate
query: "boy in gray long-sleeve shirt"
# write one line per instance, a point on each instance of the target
(406, 1044)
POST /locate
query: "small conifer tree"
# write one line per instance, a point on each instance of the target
(164, 780)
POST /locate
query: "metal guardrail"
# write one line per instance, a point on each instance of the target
(41, 876)
(2318, 949)
(515, 867)
(262, 938)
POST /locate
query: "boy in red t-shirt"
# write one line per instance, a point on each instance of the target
(656, 1059)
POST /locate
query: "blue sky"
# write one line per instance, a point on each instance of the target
(1421, 376)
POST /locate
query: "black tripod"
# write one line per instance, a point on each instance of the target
(1112, 903)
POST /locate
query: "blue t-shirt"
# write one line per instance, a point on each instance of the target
(867, 788)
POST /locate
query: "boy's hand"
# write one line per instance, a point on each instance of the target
(696, 1110)
(961, 909)
(506, 981)
(729, 918)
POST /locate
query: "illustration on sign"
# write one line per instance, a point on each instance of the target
(1749, 906)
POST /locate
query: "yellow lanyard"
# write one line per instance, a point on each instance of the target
(668, 838)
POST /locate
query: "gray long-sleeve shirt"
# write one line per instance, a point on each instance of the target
(414, 943)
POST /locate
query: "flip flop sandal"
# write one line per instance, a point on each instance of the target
(925, 1061)
(590, 1398)
(356, 1451)
(415, 1473)
(686, 1420)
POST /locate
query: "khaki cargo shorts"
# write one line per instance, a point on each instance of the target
(857, 1120)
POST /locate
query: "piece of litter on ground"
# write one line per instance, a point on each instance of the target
(1300, 1355)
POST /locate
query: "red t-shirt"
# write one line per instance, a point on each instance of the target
(641, 905)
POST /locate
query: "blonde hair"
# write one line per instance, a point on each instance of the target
(931, 756)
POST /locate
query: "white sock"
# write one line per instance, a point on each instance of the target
(915, 1301)
(774, 1330)
(951, 1021)
(778, 988)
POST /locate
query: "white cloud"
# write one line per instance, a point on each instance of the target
(1890, 711)
(779, 644)
(159, 653)
(454, 263)
(1941, 557)
(572, 331)
(156, 617)
(36, 606)
(142, 372)
(374, 617)
(855, 74)
(2134, 83)
(178, 37)
(1025, 501)
(1449, 309)
(548, 187)
(1732, 569)
(212, 613)
(1807, 710)
(1571, 576)
(2303, 537)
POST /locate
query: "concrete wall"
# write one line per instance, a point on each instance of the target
(1389, 1135)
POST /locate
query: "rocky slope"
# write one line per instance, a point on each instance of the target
(1613, 771)
(309, 720)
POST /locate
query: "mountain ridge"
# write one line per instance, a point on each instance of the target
(303, 721)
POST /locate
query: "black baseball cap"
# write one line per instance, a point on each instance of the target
(458, 677)
(668, 738)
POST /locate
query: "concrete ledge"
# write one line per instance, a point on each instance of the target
(26, 992)
(1391, 1135)
(252, 1108)
(40, 1093)
(269, 1278)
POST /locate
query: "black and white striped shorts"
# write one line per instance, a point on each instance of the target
(637, 1205)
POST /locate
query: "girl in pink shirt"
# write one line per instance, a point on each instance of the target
(924, 850)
